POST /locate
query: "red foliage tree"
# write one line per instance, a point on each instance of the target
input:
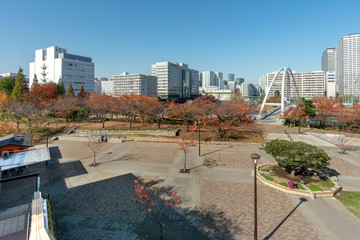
(184, 145)
(325, 108)
(99, 104)
(348, 115)
(155, 202)
(186, 112)
(42, 96)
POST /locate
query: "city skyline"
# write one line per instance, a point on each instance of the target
(248, 45)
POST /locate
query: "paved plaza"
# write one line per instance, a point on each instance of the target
(217, 195)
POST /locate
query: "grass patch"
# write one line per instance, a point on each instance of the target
(327, 184)
(299, 186)
(351, 201)
(283, 184)
(50, 219)
(268, 177)
(314, 188)
(265, 170)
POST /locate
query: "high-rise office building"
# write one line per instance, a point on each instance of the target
(239, 81)
(230, 77)
(348, 64)
(328, 60)
(309, 84)
(175, 80)
(52, 63)
(135, 83)
(262, 82)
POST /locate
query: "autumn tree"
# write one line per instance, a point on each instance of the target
(82, 93)
(70, 91)
(20, 86)
(99, 104)
(155, 110)
(132, 105)
(4, 100)
(184, 146)
(155, 201)
(325, 108)
(350, 116)
(185, 111)
(42, 96)
(7, 85)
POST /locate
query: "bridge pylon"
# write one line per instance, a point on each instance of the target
(287, 75)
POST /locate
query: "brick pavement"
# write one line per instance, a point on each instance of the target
(94, 202)
(235, 203)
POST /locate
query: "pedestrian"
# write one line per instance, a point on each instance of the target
(291, 184)
(102, 138)
(105, 138)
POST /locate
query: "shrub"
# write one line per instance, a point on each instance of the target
(297, 157)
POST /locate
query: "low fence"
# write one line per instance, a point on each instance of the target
(102, 132)
(304, 193)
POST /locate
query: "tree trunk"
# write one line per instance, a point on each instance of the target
(94, 159)
(103, 123)
(130, 121)
(17, 124)
(293, 173)
(159, 122)
(299, 127)
(185, 162)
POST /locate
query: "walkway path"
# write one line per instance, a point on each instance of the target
(330, 218)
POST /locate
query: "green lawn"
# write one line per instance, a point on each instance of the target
(267, 177)
(314, 188)
(283, 184)
(351, 200)
(327, 184)
(299, 186)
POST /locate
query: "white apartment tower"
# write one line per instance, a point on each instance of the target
(135, 83)
(348, 62)
(309, 84)
(175, 80)
(52, 63)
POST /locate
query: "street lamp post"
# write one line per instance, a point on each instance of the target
(199, 138)
(47, 139)
(255, 157)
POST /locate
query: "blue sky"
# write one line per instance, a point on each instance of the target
(248, 38)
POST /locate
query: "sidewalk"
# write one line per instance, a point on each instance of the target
(330, 218)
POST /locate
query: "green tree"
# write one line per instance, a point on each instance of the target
(261, 98)
(60, 87)
(20, 86)
(7, 84)
(70, 91)
(297, 157)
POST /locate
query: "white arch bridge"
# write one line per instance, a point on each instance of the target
(287, 77)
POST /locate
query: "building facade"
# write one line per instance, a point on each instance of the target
(330, 80)
(176, 80)
(239, 81)
(230, 77)
(348, 65)
(107, 87)
(328, 60)
(134, 83)
(262, 82)
(52, 63)
(309, 84)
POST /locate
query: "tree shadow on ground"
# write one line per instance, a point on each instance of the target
(281, 223)
(106, 208)
(330, 172)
